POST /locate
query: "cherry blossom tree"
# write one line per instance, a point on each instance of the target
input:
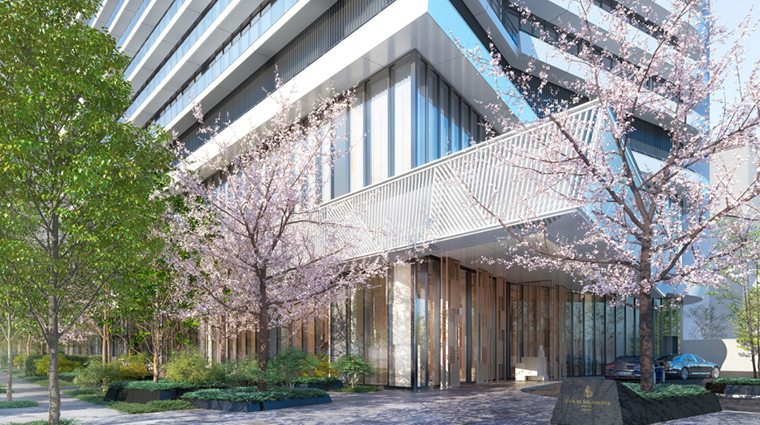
(644, 220)
(253, 244)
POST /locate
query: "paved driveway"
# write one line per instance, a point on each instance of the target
(501, 403)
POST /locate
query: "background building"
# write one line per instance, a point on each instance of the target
(447, 318)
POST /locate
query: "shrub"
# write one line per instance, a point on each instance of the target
(19, 361)
(354, 365)
(188, 366)
(289, 365)
(737, 381)
(246, 371)
(133, 366)
(80, 359)
(98, 374)
(324, 368)
(164, 385)
(3, 359)
(64, 365)
(30, 369)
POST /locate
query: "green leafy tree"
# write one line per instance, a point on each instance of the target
(80, 187)
(742, 296)
(354, 366)
(708, 323)
(289, 365)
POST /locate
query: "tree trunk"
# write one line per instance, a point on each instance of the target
(647, 341)
(103, 348)
(263, 334)
(54, 410)
(9, 389)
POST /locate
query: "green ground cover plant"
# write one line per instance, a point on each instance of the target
(17, 404)
(662, 391)
(152, 406)
(358, 389)
(44, 422)
(737, 381)
(251, 395)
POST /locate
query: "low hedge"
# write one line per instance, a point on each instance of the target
(737, 381)
(165, 385)
(666, 391)
(252, 395)
(317, 380)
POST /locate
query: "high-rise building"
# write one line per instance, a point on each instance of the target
(447, 318)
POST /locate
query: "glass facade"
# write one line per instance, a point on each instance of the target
(436, 324)
(433, 323)
(403, 117)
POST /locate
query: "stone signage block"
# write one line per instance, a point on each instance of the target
(604, 402)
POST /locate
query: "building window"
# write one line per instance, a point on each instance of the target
(403, 117)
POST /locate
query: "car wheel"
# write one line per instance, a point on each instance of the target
(715, 373)
(685, 373)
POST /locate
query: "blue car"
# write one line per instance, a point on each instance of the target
(629, 367)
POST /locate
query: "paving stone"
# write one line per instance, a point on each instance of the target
(498, 403)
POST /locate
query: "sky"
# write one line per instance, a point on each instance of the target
(732, 13)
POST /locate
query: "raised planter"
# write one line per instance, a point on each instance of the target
(294, 402)
(130, 395)
(584, 401)
(734, 390)
(229, 406)
(327, 386)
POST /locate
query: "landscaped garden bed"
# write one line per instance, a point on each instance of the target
(328, 384)
(741, 387)
(143, 392)
(249, 399)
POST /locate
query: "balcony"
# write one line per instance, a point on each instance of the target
(427, 205)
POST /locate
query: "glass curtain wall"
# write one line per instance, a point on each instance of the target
(597, 332)
(403, 117)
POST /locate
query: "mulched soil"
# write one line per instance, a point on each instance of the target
(736, 404)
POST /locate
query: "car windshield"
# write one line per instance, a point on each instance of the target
(667, 358)
(699, 359)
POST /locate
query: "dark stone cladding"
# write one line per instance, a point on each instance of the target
(595, 401)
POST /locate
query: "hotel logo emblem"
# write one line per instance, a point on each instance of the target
(588, 392)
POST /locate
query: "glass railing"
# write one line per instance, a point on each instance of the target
(503, 14)
(133, 22)
(179, 53)
(114, 13)
(260, 23)
(168, 16)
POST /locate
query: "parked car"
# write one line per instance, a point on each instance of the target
(629, 367)
(685, 365)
